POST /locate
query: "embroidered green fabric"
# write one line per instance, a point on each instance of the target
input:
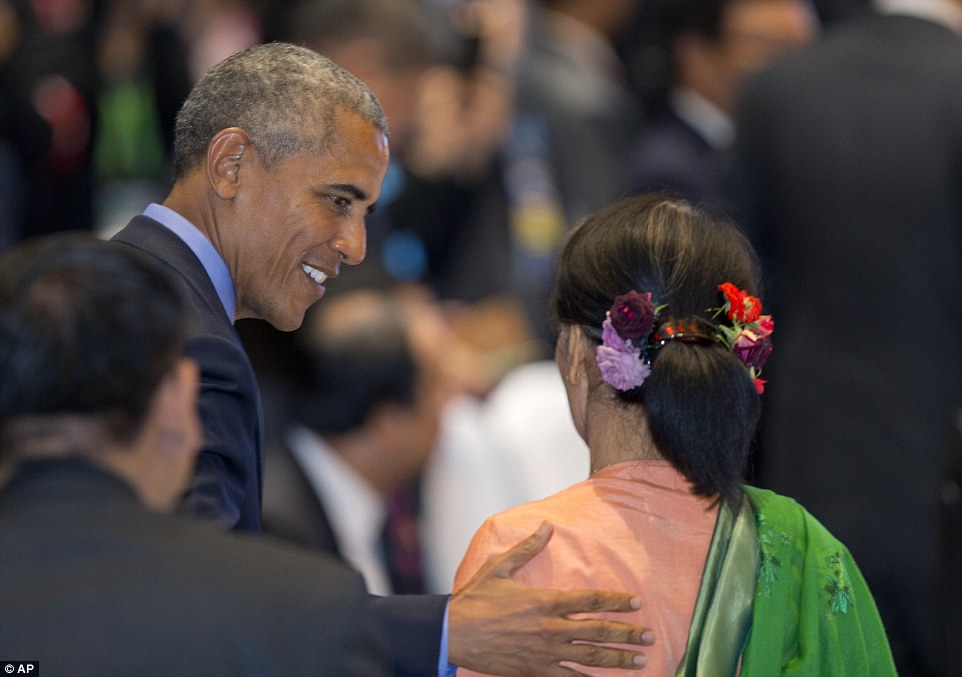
(781, 596)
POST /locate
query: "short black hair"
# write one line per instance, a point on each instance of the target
(355, 367)
(284, 96)
(87, 327)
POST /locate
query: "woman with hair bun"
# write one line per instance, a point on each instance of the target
(661, 342)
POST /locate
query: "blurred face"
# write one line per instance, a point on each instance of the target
(430, 338)
(415, 435)
(753, 33)
(757, 31)
(296, 224)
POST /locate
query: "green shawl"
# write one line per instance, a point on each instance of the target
(781, 596)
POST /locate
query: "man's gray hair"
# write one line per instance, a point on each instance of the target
(279, 94)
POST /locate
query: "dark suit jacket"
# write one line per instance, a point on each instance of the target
(93, 583)
(227, 485)
(849, 178)
(228, 482)
(292, 509)
(673, 157)
(293, 512)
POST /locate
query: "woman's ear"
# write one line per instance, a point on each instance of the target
(575, 349)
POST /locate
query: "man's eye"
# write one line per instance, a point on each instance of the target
(339, 202)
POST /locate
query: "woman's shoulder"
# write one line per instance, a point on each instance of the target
(780, 519)
(530, 515)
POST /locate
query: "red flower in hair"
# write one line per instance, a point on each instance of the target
(632, 315)
(740, 306)
(750, 333)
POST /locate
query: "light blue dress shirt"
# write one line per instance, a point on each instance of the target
(216, 269)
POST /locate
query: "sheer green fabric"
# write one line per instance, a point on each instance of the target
(810, 612)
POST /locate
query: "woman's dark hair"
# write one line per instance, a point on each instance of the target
(701, 404)
(87, 327)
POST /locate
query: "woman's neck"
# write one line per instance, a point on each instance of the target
(617, 433)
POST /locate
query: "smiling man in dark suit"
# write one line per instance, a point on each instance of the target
(279, 156)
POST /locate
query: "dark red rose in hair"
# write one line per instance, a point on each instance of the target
(632, 315)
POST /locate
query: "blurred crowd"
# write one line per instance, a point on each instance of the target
(510, 119)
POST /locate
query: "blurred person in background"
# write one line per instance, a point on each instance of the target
(367, 412)
(695, 54)
(391, 461)
(143, 64)
(848, 176)
(48, 114)
(576, 115)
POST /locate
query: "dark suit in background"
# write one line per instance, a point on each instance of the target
(292, 509)
(849, 178)
(294, 513)
(84, 563)
(674, 157)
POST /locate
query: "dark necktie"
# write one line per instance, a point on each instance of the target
(400, 539)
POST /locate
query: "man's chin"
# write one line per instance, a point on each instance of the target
(290, 322)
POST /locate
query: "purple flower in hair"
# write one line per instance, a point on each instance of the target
(619, 361)
(753, 348)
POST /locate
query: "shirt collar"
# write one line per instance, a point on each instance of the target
(945, 12)
(704, 117)
(354, 508)
(216, 269)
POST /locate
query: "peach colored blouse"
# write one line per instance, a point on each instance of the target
(633, 526)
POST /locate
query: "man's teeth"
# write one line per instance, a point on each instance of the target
(315, 274)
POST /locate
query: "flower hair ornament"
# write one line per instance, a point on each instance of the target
(630, 337)
(749, 335)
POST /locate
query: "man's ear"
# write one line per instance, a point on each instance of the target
(171, 438)
(225, 153)
(176, 398)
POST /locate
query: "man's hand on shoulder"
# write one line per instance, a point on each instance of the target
(498, 626)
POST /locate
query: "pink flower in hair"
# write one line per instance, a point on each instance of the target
(619, 361)
(766, 325)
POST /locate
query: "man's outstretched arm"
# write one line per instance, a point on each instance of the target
(498, 626)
